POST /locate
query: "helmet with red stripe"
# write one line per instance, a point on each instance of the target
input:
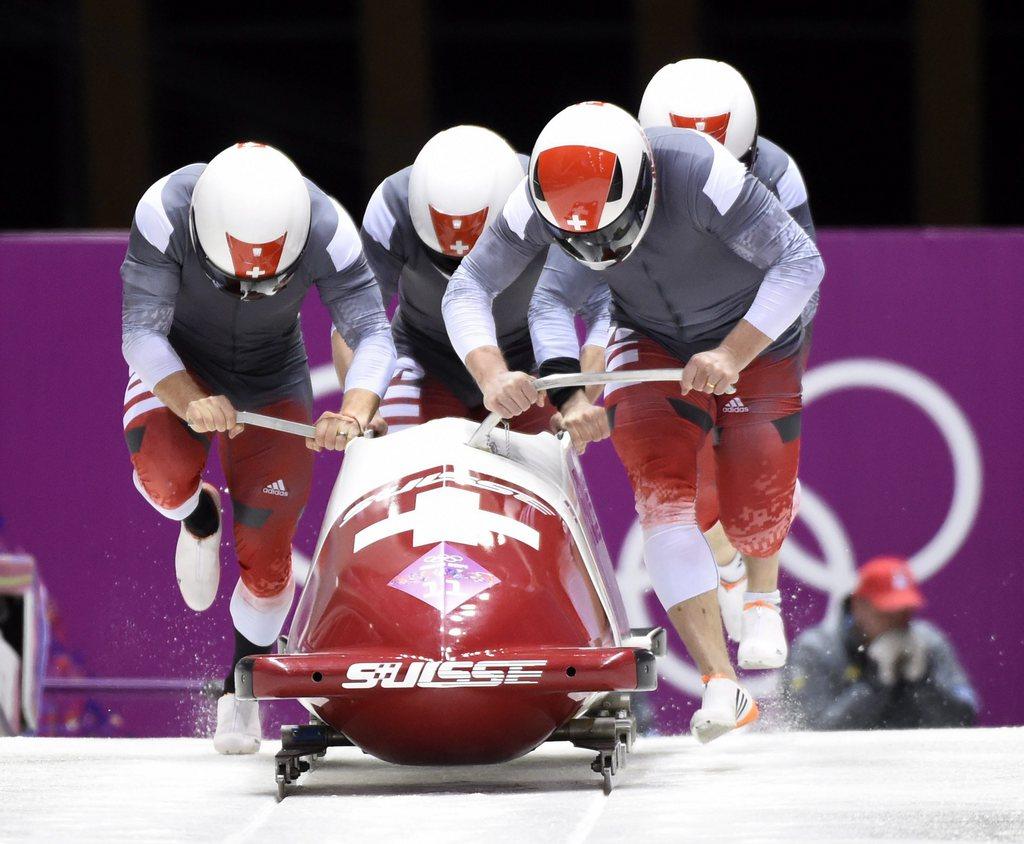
(709, 96)
(459, 183)
(592, 182)
(249, 220)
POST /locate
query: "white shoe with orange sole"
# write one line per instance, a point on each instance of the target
(763, 638)
(726, 706)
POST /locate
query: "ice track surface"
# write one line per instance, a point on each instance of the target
(925, 785)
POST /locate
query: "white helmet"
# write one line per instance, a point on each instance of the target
(709, 96)
(592, 182)
(250, 220)
(459, 183)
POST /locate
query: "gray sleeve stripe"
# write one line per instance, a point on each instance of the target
(378, 221)
(518, 211)
(345, 247)
(725, 180)
(791, 187)
(151, 217)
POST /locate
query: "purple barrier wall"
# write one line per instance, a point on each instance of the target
(910, 447)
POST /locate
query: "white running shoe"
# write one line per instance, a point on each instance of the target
(763, 639)
(238, 725)
(725, 706)
(730, 596)
(197, 562)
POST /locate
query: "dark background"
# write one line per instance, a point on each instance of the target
(898, 112)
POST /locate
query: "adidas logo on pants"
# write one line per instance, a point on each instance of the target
(276, 488)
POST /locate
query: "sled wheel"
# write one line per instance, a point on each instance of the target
(282, 790)
(607, 771)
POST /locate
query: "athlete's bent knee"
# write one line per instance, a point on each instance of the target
(679, 563)
(173, 493)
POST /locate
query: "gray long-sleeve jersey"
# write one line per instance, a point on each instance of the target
(174, 318)
(405, 267)
(829, 684)
(777, 171)
(720, 247)
(552, 326)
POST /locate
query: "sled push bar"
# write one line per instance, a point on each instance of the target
(580, 379)
(286, 426)
(482, 434)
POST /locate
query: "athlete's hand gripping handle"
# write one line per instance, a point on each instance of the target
(482, 434)
(286, 426)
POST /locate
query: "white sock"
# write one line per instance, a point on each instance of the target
(773, 598)
(260, 619)
(733, 570)
(679, 563)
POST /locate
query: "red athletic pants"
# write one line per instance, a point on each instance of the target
(662, 438)
(268, 475)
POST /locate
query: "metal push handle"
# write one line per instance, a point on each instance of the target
(580, 379)
(483, 432)
(286, 426)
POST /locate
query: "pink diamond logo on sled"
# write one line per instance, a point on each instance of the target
(445, 577)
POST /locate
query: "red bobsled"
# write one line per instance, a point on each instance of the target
(461, 608)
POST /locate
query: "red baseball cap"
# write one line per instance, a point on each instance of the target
(888, 584)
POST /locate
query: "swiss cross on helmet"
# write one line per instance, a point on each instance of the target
(592, 182)
(709, 96)
(249, 220)
(457, 186)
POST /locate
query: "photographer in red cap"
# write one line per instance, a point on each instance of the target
(879, 666)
